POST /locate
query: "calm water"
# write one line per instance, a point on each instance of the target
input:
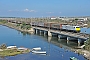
(51, 45)
(85, 30)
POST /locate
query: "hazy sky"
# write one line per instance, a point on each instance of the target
(44, 8)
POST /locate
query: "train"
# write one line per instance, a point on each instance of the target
(58, 26)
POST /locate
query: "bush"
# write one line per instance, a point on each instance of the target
(87, 44)
(28, 26)
(24, 26)
(3, 46)
(18, 24)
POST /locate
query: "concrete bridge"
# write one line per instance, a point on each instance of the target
(62, 34)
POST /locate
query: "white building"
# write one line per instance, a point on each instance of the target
(53, 18)
(83, 19)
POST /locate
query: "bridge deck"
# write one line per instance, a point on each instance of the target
(71, 34)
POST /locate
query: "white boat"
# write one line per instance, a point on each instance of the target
(10, 47)
(73, 58)
(80, 47)
(37, 48)
(22, 48)
(39, 52)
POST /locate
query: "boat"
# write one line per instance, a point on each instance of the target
(73, 58)
(80, 47)
(37, 48)
(39, 52)
(11, 47)
(22, 48)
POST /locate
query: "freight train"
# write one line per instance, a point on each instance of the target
(57, 26)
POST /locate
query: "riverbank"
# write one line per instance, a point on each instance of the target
(79, 51)
(83, 52)
(14, 26)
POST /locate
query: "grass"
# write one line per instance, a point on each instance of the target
(12, 52)
(9, 52)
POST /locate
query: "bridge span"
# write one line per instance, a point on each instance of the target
(80, 37)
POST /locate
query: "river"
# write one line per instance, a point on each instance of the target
(51, 45)
(85, 30)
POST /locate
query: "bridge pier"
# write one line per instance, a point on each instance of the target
(40, 32)
(68, 39)
(45, 33)
(49, 39)
(79, 41)
(49, 34)
(36, 31)
(59, 36)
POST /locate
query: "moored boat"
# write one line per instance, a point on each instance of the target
(37, 48)
(73, 58)
(39, 52)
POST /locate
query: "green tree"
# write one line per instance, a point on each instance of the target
(76, 19)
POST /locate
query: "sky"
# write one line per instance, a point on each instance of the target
(44, 8)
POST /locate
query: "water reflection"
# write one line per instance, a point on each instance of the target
(62, 42)
(49, 39)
